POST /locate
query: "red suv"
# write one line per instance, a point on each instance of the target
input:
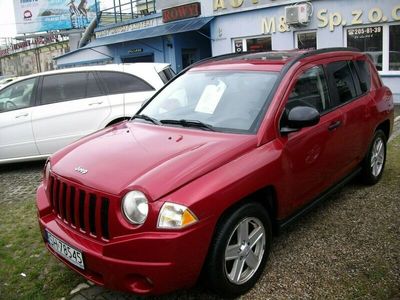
(230, 151)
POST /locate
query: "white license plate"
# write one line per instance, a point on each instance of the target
(69, 253)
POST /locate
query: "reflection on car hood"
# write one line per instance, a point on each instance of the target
(152, 158)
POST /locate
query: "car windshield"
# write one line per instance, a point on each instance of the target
(227, 101)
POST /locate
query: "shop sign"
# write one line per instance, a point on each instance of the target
(135, 50)
(334, 19)
(181, 12)
(364, 32)
(125, 28)
(48, 15)
(31, 43)
(227, 5)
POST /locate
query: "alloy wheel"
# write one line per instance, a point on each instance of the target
(244, 251)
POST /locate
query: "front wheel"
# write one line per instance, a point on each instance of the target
(374, 162)
(239, 250)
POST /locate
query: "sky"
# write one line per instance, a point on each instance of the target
(7, 19)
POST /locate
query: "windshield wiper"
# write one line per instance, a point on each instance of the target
(189, 123)
(147, 118)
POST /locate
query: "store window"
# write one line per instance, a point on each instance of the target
(394, 47)
(381, 43)
(253, 44)
(368, 40)
(306, 40)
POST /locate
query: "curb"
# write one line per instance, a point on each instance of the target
(396, 129)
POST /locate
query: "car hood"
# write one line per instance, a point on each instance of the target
(156, 160)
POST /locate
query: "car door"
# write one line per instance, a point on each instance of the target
(352, 99)
(308, 154)
(16, 137)
(126, 92)
(72, 105)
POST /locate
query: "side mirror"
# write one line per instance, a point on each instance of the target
(299, 117)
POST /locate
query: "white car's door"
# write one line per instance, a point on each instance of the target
(16, 137)
(73, 105)
(126, 92)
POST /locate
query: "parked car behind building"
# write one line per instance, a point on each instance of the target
(42, 113)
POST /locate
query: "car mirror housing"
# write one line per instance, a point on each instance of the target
(299, 117)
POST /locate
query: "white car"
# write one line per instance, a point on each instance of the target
(42, 113)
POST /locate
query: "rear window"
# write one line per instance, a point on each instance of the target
(121, 83)
(364, 75)
(166, 75)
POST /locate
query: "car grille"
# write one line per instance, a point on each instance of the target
(83, 210)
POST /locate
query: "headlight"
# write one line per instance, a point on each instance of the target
(46, 174)
(175, 216)
(135, 207)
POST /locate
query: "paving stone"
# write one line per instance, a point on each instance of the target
(78, 297)
(92, 292)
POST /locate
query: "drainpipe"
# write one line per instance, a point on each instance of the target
(89, 32)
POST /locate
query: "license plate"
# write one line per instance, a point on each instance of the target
(71, 254)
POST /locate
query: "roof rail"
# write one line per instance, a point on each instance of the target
(326, 50)
(296, 58)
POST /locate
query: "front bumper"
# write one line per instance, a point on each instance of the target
(164, 261)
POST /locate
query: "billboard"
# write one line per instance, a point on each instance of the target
(47, 15)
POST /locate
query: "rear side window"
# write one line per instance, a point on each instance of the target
(120, 83)
(166, 75)
(69, 86)
(364, 75)
(343, 80)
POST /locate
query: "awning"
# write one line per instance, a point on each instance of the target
(170, 28)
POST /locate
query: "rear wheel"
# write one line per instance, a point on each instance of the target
(374, 163)
(239, 250)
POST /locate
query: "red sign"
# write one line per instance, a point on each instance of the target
(181, 12)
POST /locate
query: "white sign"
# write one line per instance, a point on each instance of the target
(126, 28)
(210, 98)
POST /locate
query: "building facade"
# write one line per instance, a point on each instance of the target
(19, 58)
(181, 32)
(179, 35)
(372, 26)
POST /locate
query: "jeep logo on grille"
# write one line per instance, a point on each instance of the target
(81, 170)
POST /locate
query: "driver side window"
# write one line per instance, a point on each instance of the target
(17, 96)
(310, 90)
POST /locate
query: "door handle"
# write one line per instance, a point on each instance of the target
(334, 125)
(20, 116)
(95, 103)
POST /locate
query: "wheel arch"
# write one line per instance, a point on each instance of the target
(266, 197)
(385, 126)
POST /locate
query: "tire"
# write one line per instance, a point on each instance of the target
(374, 163)
(251, 254)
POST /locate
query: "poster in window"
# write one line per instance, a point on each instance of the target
(367, 40)
(238, 46)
